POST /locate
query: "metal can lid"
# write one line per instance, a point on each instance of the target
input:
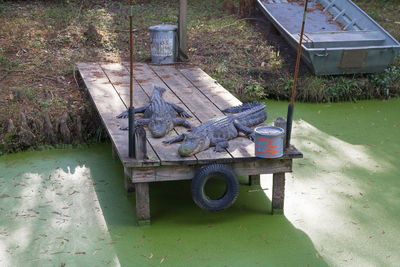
(269, 131)
(163, 27)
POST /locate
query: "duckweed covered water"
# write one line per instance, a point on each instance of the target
(342, 204)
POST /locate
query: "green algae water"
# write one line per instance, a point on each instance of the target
(69, 207)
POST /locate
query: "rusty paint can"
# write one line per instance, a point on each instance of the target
(269, 142)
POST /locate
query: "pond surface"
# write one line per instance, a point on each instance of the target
(342, 204)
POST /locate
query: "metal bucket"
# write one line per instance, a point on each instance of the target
(269, 142)
(163, 43)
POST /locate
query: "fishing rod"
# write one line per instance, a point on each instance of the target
(131, 110)
(296, 73)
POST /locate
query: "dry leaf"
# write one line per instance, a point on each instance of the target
(162, 260)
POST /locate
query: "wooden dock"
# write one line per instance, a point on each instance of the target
(201, 96)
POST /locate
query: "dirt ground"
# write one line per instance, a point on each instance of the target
(42, 104)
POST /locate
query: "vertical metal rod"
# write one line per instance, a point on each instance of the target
(131, 110)
(296, 73)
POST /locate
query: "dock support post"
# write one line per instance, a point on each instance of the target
(281, 122)
(254, 179)
(278, 193)
(182, 32)
(142, 203)
(114, 152)
(140, 143)
(142, 189)
(129, 186)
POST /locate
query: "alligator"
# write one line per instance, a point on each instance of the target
(159, 115)
(218, 131)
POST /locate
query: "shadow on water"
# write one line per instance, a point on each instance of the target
(342, 207)
(50, 214)
(348, 181)
(181, 233)
(70, 207)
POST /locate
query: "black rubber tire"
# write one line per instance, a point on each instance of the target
(200, 179)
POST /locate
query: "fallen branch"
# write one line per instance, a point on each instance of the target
(47, 77)
(257, 190)
(226, 26)
(5, 75)
(8, 72)
(12, 70)
(134, 30)
(35, 73)
(75, 77)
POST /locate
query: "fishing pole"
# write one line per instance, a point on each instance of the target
(296, 73)
(131, 110)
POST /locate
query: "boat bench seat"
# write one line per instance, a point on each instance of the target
(342, 39)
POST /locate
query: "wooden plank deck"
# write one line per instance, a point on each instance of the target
(203, 98)
(188, 87)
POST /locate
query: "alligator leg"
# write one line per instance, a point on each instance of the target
(138, 123)
(175, 139)
(181, 122)
(244, 129)
(180, 111)
(137, 110)
(220, 144)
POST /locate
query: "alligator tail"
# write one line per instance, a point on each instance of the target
(242, 107)
(253, 116)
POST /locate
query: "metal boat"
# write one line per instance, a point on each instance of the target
(339, 37)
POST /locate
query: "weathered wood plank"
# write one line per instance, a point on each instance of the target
(142, 203)
(118, 75)
(240, 147)
(200, 106)
(114, 152)
(281, 123)
(278, 192)
(140, 142)
(292, 152)
(147, 78)
(262, 167)
(210, 88)
(108, 103)
(182, 31)
(254, 179)
(123, 152)
(129, 186)
(186, 172)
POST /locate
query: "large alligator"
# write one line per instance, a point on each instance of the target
(217, 132)
(159, 115)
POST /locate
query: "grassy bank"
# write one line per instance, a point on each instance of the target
(42, 104)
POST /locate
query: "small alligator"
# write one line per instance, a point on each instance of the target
(217, 132)
(159, 115)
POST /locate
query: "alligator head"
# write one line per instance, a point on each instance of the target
(192, 144)
(159, 127)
